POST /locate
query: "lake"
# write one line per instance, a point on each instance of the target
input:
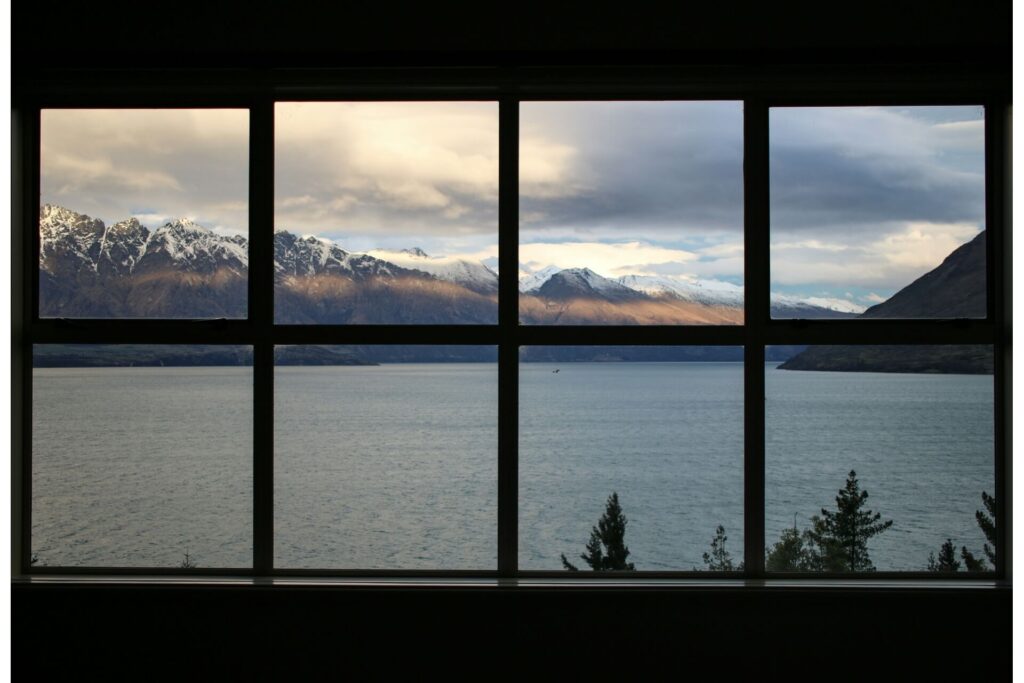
(395, 466)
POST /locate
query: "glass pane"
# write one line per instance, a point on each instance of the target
(631, 213)
(144, 213)
(386, 457)
(142, 456)
(878, 212)
(912, 426)
(659, 428)
(386, 212)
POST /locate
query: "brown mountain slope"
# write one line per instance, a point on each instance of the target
(535, 310)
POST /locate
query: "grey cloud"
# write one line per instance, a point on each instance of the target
(824, 188)
(373, 211)
(662, 167)
(873, 168)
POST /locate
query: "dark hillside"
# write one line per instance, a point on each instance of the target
(955, 289)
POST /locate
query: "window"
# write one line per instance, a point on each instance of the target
(522, 475)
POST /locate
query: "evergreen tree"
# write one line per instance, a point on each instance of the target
(719, 559)
(971, 563)
(606, 549)
(947, 561)
(188, 562)
(987, 522)
(792, 553)
(842, 536)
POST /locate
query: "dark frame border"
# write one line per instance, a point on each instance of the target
(257, 90)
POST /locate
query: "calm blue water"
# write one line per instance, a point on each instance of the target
(137, 466)
(395, 466)
(667, 437)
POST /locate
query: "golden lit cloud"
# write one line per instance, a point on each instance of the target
(891, 261)
(608, 259)
(396, 166)
(152, 163)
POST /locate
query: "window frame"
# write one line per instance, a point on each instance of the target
(259, 90)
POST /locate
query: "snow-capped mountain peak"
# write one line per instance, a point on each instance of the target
(583, 282)
(536, 279)
(184, 225)
(73, 242)
(128, 225)
(566, 282)
(195, 248)
(56, 220)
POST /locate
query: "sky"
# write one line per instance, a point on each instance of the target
(863, 200)
(154, 164)
(653, 188)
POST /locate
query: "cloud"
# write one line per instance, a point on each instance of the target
(863, 199)
(966, 136)
(610, 260)
(73, 174)
(631, 170)
(421, 169)
(112, 164)
(889, 262)
(545, 168)
(869, 166)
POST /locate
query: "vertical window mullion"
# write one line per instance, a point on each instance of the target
(261, 320)
(25, 245)
(755, 317)
(999, 270)
(508, 349)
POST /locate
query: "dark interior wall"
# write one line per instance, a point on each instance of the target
(202, 633)
(280, 633)
(324, 34)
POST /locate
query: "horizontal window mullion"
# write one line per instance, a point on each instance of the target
(833, 83)
(387, 573)
(245, 332)
(879, 97)
(170, 572)
(59, 331)
(879, 332)
(385, 334)
(147, 96)
(565, 335)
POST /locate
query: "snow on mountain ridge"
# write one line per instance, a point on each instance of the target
(194, 246)
(598, 283)
(128, 245)
(472, 274)
(792, 305)
(124, 245)
(534, 280)
(707, 292)
(185, 225)
(583, 282)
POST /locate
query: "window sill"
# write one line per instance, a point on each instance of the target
(524, 584)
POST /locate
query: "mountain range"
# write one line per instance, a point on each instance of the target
(183, 270)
